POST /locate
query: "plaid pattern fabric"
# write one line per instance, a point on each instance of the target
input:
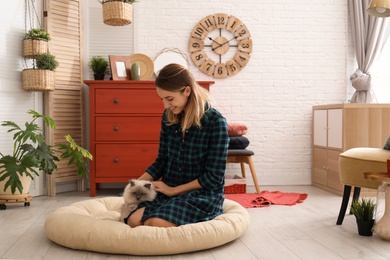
(200, 155)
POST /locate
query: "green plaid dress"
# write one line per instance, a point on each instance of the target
(200, 155)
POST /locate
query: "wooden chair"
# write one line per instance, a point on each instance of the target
(243, 156)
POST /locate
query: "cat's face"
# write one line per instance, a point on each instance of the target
(138, 191)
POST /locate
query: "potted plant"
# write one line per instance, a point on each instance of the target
(364, 210)
(117, 12)
(31, 153)
(35, 42)
(41, 78)
(99, 66)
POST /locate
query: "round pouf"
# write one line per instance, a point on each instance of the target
(95, 225)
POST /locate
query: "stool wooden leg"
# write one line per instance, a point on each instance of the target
(243, 169)
(254, 177)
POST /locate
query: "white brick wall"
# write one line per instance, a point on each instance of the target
(299, 60)
(301, 57)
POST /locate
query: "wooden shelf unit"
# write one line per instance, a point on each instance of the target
(339, 127)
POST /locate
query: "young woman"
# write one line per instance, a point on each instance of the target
(191, 157)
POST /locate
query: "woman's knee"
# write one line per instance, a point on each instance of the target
(135, 218)
(158, 222)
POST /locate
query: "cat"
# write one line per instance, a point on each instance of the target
(135, 192)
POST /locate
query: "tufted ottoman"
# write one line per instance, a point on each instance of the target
(353, 163)
(95, 225)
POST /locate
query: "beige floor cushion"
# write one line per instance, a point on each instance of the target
(94, 225)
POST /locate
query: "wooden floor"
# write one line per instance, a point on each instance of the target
(303, 231)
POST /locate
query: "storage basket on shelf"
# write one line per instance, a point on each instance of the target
(34, 47)
(38, 80)
(117, 13)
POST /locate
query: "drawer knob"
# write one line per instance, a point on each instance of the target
(116, 160)
(116, 101)
(116, 128)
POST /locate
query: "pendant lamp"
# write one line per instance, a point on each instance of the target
(379, 8)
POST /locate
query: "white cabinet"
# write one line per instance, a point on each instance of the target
(327, 127)
(339, 127)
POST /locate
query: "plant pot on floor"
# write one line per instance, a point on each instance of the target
(26, 182)
(365, 227)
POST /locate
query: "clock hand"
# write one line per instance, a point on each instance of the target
(211, 39)
(220, 45)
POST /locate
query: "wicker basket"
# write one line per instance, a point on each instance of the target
(33, 47)
(38, 80)
(117, 13)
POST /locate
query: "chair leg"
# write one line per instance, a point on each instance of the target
(344, 204)
(356, 194)
(254, 177)
(243, 169)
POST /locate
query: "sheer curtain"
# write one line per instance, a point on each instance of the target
(369, 35)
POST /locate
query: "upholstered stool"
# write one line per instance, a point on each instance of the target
(353, 163)
(243, 156)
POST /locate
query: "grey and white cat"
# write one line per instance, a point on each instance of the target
(136, 191)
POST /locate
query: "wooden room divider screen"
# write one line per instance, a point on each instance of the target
(65, 104)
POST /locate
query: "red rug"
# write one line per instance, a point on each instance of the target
(266, 198)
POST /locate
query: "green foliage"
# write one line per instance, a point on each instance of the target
(125, 1)
(98, 64)
(31, 153)
(37, 33)
(46, 61)
(363, 209)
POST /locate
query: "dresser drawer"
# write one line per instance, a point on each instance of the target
(146, 128)
(128, 101)
(124, 160)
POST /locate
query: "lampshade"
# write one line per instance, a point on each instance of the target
(379, 8)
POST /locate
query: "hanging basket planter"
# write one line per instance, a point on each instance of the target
(117, 13)
(34, 47)
(38, 80)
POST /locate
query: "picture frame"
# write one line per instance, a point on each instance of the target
(120, 67)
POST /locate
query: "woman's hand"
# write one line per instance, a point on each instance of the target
(161, 187)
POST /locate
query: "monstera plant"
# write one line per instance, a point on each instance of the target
(31, 153)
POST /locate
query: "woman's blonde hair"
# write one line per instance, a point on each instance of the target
(174, 77)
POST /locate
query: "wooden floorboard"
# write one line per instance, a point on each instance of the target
(304, 231)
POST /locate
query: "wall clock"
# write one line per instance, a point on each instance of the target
(220, 45)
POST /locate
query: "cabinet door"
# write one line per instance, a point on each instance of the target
(335, 128)
(320, 158)
(319, 127)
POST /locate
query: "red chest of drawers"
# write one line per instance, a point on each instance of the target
(124, 123)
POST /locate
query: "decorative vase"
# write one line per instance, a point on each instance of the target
(365, 227)
(382, 227)
(135, 71)
(99, 76)
(38, 80)
(34, 47)
(117, 13)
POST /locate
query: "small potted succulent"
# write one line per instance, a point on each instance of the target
(31, 153)
(35, 42)
(117, 12)
(364, 211)
(99, 66)
(41, 77)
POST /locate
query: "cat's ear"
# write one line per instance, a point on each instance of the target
(132, 183)
(148, 185)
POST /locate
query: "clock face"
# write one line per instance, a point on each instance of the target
(220, 45)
